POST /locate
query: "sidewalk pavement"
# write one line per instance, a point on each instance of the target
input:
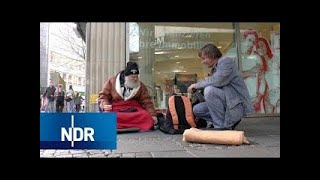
(263, 134)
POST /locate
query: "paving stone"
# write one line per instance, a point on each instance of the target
(147, 145)
(49, 151)
(64, 156)
(144, 155)
(61, 152)
(77, 151)
(114, 155)
(236, 152)
(84, 155)
(172, 154)
(101, 155)
(128, 155)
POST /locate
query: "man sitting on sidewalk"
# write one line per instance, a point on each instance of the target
(126, 95)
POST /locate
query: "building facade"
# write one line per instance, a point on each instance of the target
(72, 71)
(44, 40)
(169, 62)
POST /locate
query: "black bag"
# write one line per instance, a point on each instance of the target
(197, 96)
(179, 116)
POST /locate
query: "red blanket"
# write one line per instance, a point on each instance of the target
(131, 114)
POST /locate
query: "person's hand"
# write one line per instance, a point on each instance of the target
(107, 107)
(192, 86)
(155, 120)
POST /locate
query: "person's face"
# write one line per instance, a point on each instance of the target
(134, 77)
(210, 62)
(262, 50)
(248, 44)
(132, 80)
(51, 84)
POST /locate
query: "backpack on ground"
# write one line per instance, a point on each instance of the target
(179, 116)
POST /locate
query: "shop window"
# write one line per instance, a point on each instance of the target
(260, 65)
(167, 51)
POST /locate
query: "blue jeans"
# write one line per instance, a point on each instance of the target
(214, 108)
(70, 105)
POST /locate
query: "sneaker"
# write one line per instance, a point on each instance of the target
(209, 124)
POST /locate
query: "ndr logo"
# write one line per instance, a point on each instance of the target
(76, 133)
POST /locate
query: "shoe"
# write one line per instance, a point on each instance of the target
(209, 124)
(235, 125)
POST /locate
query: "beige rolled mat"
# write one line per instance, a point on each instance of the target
(227, 137)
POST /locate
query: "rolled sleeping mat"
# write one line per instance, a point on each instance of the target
(227, 137)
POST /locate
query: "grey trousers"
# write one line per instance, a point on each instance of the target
(50, 106)
(214, 108)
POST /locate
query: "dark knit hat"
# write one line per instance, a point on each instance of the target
(132, 68)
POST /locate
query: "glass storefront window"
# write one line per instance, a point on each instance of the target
(260, 64)
(167, 54)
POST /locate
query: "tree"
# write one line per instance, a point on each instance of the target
(67, 40)
(67, 53)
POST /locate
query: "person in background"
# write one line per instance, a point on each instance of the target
(48, 96)
(59, 95)
(77, 101)
(70, 99)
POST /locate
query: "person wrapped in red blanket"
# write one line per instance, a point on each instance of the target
(126, 95)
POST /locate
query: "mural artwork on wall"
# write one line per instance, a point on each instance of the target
(261, 72)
